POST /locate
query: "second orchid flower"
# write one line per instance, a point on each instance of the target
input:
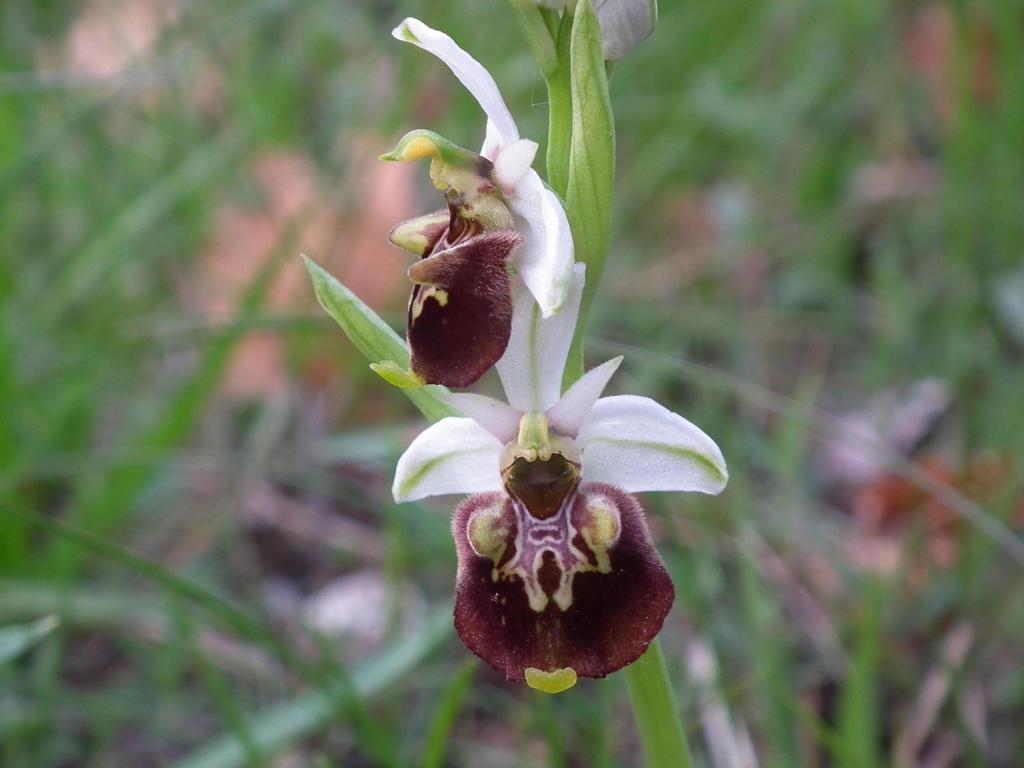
(502, 231)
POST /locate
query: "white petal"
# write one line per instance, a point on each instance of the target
(513, 161)
(532, 366)
(469, 71)
(569, 413)
(639, 445)
(545, 258)
(625, 24)
(498, 418)
(452, 456)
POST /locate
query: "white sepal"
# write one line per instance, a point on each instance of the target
(568, 414)
(498, 418)
(531, 368)
(545, 258)
(639, 445)
(469, 71)
(453, 456)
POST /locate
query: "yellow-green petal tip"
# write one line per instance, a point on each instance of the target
(396, 375)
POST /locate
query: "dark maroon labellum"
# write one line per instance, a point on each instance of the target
(583, 588)
(460, 310)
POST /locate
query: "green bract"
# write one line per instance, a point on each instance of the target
(591, 172)
(372, 336)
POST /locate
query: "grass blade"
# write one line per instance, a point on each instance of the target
(16, 640)
(279, 726)
(448, 708)
(859, 706)
(105, 503)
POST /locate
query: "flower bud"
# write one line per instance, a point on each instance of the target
(624, 23)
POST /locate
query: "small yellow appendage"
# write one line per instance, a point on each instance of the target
(551, 682)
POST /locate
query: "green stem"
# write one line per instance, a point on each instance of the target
(548, 38)
(537, 34)
(656, 712)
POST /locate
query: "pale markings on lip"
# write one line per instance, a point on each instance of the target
(535, 538)
(429, 292)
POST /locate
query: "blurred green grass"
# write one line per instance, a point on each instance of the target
(818, 204)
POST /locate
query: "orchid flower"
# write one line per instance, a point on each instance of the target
(500, 219)
(557, 575)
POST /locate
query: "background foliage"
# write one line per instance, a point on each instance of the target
(816, 255)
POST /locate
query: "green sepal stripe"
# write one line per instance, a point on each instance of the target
(686, 454)
(417, 476)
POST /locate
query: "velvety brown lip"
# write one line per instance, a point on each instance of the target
(460, 310)
(612, 617)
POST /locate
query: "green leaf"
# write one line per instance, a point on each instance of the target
(373, 337)
(591, 164)
(16, 640)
